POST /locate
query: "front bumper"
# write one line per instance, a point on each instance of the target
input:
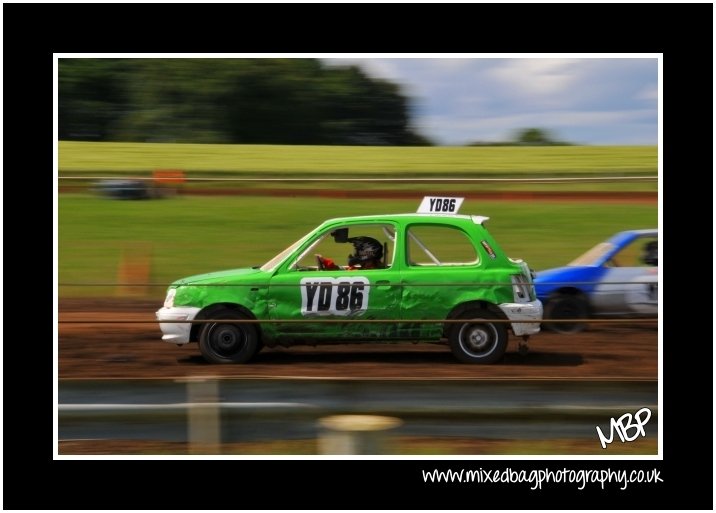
(176, 332)
(531, 311)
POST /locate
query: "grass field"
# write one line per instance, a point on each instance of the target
(78, 161)
(193, 234)
(87, 157)
(187, 235)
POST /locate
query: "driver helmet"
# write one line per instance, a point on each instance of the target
(366, 249)
(651, 253)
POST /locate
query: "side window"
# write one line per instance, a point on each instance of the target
(438, 246)
(643, 252)
(352, 247)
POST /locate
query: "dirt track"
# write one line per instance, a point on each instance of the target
(100, 351)
(136, 350)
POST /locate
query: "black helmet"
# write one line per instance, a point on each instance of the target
(651, 253)
(366, 249)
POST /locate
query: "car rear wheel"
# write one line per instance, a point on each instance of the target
(478, 340)
(565, 307)
(226, 342)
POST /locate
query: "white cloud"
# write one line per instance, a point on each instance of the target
(589, 100)
(649, 92)
(544, 79)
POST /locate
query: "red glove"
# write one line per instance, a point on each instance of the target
(329, 264)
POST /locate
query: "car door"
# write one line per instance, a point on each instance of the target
(627, 290)
(300, 293)
(630, 283)
(440, 271)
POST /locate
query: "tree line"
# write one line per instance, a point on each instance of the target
(240, 101)
(527, 137)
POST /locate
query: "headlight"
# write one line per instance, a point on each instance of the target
(520, 289)
(169, 301)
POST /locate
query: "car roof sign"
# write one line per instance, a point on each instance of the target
(440, 205)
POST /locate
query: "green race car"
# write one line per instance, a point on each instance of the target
(406, 275)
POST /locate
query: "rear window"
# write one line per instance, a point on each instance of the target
(438, 245)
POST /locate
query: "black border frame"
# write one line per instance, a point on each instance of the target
(33, 32)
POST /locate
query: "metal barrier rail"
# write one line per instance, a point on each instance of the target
(357, 321)
(452, 284)
(566, 179)
(292, 409)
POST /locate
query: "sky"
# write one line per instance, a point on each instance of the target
(596, 100)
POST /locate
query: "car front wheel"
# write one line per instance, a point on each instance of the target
(227, 342)
(478, 340)
(566, 307)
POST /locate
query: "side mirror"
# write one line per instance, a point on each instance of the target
(340, 235)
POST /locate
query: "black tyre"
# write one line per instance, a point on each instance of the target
(478, 341)
(566, 306)
(226, 342)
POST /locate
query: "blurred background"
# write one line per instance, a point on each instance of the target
(169, 167)
(368, 101)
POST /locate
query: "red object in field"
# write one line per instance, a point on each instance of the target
(168, 182)
(169, 176)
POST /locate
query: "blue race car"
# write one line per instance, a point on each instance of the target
(616, 278)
